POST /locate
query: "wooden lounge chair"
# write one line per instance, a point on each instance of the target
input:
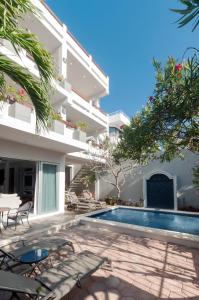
(9, 260)
(85, 206)
(56, 282)
(73, 199)
(88, 197)
(78, 203)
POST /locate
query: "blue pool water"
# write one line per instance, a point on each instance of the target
(154, 219)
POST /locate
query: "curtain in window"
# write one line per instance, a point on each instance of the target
(49, 191)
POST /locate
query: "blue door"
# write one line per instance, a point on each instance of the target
(160, 193)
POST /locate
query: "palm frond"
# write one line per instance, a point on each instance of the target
(29, 42)
(33, 87)
(189, 13)
(10, 13)
(12, 10)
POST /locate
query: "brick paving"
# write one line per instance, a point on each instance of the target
(143, 268)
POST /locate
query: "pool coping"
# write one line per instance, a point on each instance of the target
(185, 239)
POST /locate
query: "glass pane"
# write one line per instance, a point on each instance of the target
(49, 193)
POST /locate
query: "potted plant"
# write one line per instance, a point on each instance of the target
(19, 107)
(80, 132)
(58, 124)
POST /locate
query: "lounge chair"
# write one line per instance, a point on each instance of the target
(20, 213)
(10, 260)
(56, 282)
(89, 198)
(78, 203)
(73, 200)
(85, 206)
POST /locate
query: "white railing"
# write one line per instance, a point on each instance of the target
(23, 116)
(88, 108)
(117, 112)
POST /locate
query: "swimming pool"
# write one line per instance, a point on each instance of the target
(178, 222)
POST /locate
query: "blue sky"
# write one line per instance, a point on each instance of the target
(123, 36)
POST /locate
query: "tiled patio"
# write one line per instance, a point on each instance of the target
(38, 226)
(142, 268)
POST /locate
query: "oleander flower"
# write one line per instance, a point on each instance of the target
(21, 93)
(178, 67)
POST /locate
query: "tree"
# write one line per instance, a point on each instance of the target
(11, 11)
(189, 13)
(169, 123)
(108, 169)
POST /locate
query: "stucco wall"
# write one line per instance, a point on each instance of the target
(133, 188)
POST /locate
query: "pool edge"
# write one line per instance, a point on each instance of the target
(179, 238)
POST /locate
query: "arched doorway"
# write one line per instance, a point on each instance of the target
(160, 191)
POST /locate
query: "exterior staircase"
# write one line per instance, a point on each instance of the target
(76, 184)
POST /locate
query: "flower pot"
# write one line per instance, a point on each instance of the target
(20, 111)
(58, 127)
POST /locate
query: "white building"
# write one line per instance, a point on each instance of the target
(161, 185)
(33, 165)
(117, 120)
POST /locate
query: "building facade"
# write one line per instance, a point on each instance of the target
(167, 185)
(36, 165)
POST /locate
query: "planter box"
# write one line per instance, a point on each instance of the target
(79, 135)
(20, 111)
(58, 127)
(4, 106)
(68, 132)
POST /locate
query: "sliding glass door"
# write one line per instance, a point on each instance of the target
(47, 201)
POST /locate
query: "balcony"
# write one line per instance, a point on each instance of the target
(59, 84)
(84, 75)
(82, 71)
(78, 109)
(48, 22)
(18, 123)
(118, 119)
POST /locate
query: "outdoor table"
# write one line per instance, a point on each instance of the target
(34, 257)
(2, 210)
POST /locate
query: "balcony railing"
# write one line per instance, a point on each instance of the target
(117, 112)
(25, 114)
(89, 109)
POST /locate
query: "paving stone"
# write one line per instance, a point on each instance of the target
(97, 286)
(112, 282)
(113, 295)
(100, 295)
(143, 269)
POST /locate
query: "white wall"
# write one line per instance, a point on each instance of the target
(20, 151)
(183, 169)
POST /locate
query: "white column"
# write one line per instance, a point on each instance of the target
(63, 54)
(97, 189)
(61, 186)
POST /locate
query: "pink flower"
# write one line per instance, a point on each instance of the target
(178, 67)
(21, 93)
